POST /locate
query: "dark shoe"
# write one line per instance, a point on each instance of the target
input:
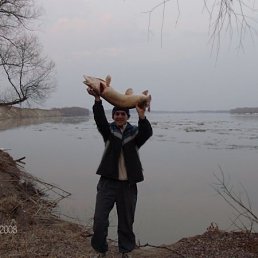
(126, 255)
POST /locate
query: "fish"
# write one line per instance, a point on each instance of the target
(115, 98)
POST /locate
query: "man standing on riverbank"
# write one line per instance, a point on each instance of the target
(120, 169)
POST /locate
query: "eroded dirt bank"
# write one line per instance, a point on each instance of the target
(30, 228)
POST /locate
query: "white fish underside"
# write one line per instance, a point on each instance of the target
(127, 100)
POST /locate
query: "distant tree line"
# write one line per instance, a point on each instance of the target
(17, 112)
(244, 110)
(73, 111)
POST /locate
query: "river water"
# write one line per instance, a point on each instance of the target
(177, 198)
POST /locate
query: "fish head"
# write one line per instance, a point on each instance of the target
(97, 84)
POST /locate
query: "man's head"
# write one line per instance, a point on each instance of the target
(120, 116)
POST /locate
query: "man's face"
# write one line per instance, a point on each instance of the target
(120, 118)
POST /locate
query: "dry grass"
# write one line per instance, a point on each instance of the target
(39, 232)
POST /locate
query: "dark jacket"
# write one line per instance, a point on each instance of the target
(129, 141)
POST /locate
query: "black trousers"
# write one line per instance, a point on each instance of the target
(124, 195)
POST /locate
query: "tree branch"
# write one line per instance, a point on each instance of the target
(243, 208)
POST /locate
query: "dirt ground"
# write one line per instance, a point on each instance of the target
(30, 228)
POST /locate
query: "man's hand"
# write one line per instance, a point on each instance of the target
(141, 111)
(93, 93)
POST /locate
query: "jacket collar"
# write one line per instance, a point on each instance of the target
(126, 127)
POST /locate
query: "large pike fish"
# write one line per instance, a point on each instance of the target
(127, 100)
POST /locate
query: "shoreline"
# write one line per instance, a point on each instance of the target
(7, 112)
(30, 227)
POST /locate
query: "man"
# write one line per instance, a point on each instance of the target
(120, 169)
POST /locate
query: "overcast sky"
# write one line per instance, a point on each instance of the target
(96, 37)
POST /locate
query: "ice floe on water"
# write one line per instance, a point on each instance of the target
(212, 131)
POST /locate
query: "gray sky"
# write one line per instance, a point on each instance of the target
(97, 38)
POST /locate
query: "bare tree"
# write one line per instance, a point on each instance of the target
(225, 16)
(229, 16)
(29, 74)
(245, 218)
(16, 15)
(25, 74)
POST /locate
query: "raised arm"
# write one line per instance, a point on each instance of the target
(144, 128)
(99, 115)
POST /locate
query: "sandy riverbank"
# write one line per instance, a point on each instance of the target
(29, 226)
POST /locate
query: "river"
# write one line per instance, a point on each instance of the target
(177, 198)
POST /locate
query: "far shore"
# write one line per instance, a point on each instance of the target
(11, 112)
(7, 112)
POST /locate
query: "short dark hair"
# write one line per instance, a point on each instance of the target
(126, 110)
